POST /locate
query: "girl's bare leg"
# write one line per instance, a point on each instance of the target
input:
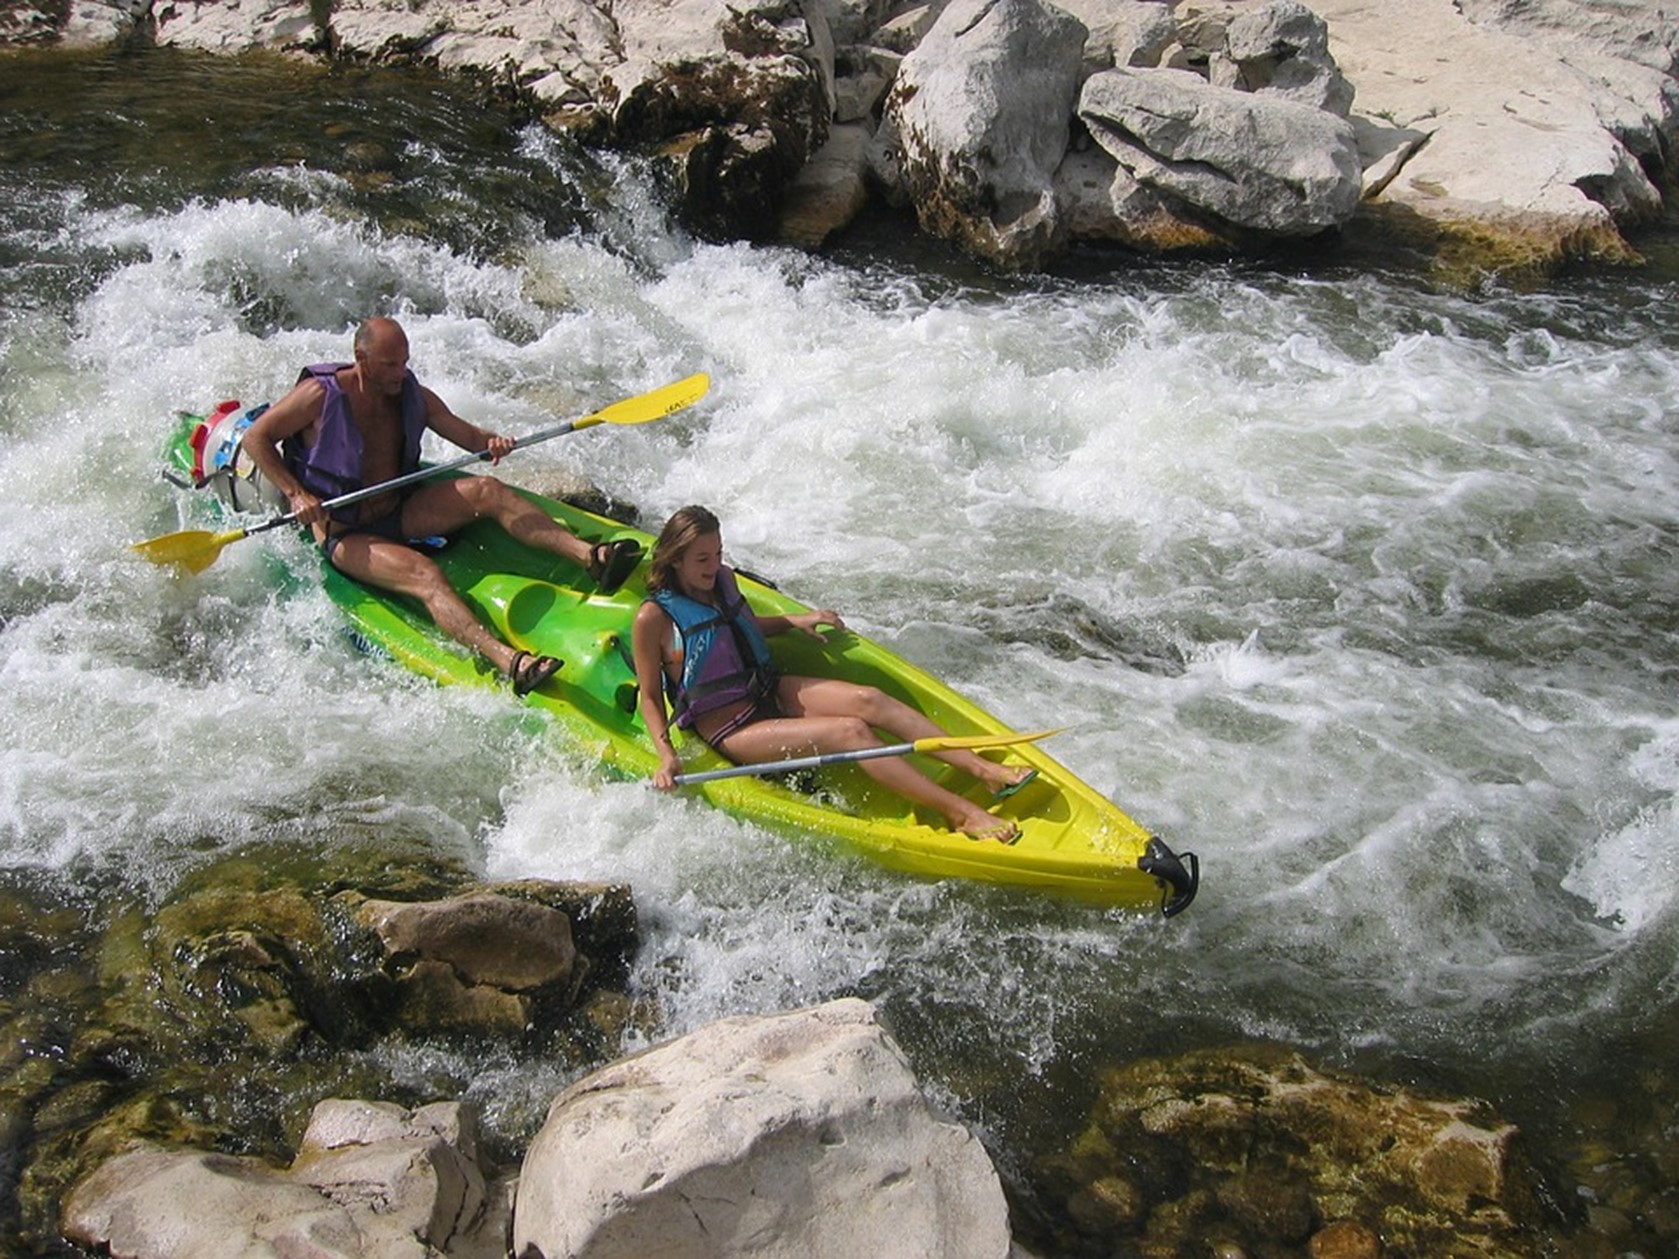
(781, 738)
(827, 697)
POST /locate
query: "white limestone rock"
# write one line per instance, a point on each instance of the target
(980, 112)
(1522, 134)
(371, 1181)
(1261, 163)
(795, 1136)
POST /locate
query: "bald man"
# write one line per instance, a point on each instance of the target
(345, 426)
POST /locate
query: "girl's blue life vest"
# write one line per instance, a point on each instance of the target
(724, 657)
(333, 465)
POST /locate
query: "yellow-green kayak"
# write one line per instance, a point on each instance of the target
(1073, 842)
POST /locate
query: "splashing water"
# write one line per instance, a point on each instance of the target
(1362, 591)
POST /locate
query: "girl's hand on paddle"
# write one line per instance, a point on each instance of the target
(498, 446)
(670, 765)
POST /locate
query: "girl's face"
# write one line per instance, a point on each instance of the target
(697, 569)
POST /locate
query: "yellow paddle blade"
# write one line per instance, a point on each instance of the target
(191, 549)
(653, 405)
(945, 743)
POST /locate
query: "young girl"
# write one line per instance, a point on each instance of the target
(697, 641)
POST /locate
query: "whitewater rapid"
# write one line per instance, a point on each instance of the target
(1361, 591)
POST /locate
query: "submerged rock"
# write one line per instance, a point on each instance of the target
(256, 971)
(1257, 1148)
(801, 1134)
(805, 1133)
(472, 960)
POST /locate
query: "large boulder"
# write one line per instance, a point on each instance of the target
(370, 1181)
(1552, 141)
(800, 1135)
(1282, 50)
(1266, 164)
(131, 1206)
(980, 112)
(234, 26)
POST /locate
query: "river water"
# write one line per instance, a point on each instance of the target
(1363, 591)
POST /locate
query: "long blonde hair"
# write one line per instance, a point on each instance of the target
(686, 526)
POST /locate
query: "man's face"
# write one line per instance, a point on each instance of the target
(384, 364)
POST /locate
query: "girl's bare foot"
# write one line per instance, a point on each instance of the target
(981, 825)
(1008, 780)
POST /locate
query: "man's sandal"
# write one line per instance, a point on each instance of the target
(529, 672)
(611, 563)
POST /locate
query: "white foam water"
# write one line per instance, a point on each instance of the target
(1361, 591)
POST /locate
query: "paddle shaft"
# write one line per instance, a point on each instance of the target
(933, 743)
(419, 474)
(798, 762)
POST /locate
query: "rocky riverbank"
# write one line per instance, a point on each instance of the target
(1485, 135)
(214, 1076)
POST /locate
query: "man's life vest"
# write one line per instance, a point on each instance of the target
(725, 658)
(333, 465)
